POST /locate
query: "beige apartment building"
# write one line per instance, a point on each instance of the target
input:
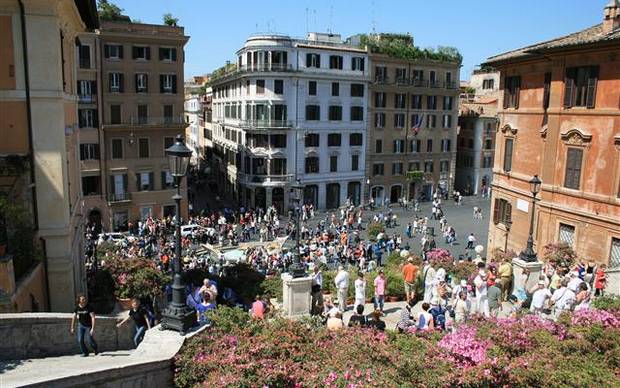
(413, 112)
(130, 85)
(39, 167)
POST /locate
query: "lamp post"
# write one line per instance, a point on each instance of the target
(178, 316)
(297, 269)
(528, 253)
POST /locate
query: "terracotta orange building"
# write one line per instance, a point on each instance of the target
(560, 120)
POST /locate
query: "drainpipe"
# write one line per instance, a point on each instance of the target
(33, 183)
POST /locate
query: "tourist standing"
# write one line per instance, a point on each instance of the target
(141, 320)
(471, 239)
(480, 283)
(380, 285)
(428, 277)
(504, 273)
(600, 280)
(494, 298)
(316, 305)
(360, 290)
(410, 272)
(462, 308)
(539, 297)
(85, 316)
(562, 299)
(342, 285)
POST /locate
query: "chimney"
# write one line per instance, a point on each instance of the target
(611, 21)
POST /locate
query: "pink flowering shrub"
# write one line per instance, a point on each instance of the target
(591, 317)
(441, 258)
(464, 348)
(526, 351)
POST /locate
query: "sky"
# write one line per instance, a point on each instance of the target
(478, 28)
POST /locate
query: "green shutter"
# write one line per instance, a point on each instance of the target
(591, 90)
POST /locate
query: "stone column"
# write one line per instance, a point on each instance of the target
(296, 295)
(518, 267)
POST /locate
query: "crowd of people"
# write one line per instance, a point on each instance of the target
(333, 240)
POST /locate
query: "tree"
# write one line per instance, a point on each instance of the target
(169, 20)
(109, 11)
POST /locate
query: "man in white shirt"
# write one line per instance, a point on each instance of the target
(540, 295)
(480, 282)
(471, 239)
(342, 285)
(574, 282)
(563, 299)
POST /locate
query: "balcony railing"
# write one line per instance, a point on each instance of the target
(402, 81)
(149, 121)
(451, 85)
(435, 84)
(87, 99)
(381, 79)
(263, 179)
(419, 83)
(265, 123)
(120, 197)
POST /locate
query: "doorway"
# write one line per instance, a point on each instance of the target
(396, 192)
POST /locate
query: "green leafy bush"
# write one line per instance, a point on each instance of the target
(607, 302)
(272, 286)
(374, 228)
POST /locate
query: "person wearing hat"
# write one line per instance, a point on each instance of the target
(480, 283)
(574, 282)
(494, 298)
(539, 297)
(410, 272)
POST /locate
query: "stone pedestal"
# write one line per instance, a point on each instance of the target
(613, 281)
(518, 267)
(296, 295)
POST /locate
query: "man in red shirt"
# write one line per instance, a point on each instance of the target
(410, 271)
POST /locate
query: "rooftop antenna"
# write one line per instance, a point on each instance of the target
(372, 13)
(331, 16)
(314, 12)
(307, 23)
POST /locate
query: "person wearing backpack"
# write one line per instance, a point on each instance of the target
(140, 319)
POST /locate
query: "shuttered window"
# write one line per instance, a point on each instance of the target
(512, 88)
(580, 86)
(567, 234)
(502, 212)
(614, 254)
(508, 155)
(572, 177)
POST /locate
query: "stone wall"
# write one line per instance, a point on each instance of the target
(37, 335)
(156, 374)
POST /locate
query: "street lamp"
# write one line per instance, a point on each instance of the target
(178, 316)
(528, 254)
(297, 269)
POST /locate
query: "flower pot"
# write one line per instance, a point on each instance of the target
(124, 303)
(393, 298)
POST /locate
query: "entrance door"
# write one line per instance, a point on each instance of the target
(311, 195)
(427, 192)
(277, 199)
(354, 192)
(412, 190)
(332, 199)
(260, 198)
(396, 192)
(377, 194)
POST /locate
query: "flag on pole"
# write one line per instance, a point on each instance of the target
(418, 124)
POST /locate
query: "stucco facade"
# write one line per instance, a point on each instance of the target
(412, 127)
(38, 120)
(561, 121)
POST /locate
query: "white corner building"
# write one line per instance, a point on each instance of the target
(292, 110)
